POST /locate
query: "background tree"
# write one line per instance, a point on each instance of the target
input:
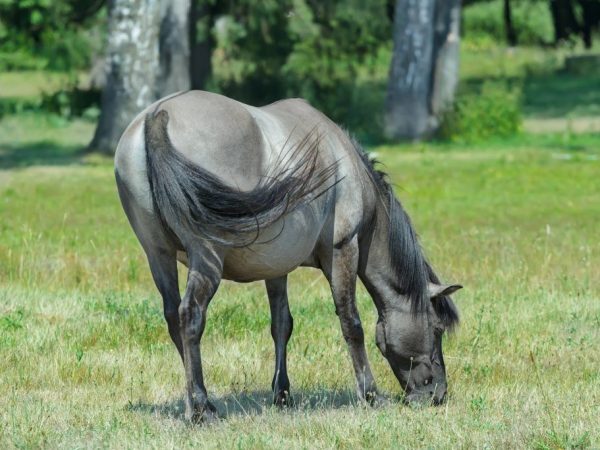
(590, 12)
(174, 48)
(423, 72)
(133, 67)
(511, 34)
(565, 22)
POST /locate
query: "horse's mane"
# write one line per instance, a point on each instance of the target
(406, 255)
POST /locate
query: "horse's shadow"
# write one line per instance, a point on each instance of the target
(256, 403)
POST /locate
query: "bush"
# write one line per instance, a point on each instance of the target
(531, 19)
(493, 112)
(20, 59)
(72, 102)
(68, 102)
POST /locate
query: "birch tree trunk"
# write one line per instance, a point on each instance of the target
(407, 110)
(174, 48)
(446, 57)
(133, 66)
(424, 68)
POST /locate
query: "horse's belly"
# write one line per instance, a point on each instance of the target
(278, 251)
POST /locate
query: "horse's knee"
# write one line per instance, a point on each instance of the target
(191, 321)
(171, 314)
(353, 330)
(282, 327)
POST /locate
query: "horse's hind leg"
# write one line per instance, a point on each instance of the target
(163, 266)
(281, 330)
(340, 267)
(204, 276)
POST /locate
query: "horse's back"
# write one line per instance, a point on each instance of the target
(239, 144)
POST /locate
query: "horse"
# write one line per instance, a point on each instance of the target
(249, 193)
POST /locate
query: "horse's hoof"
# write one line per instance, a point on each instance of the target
(372, 398)
(283, 399)
(202, 414)
(379, 401)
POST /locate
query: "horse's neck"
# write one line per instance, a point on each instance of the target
(394, 268)
(376, 272)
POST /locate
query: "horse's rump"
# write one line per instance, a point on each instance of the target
(190, 199)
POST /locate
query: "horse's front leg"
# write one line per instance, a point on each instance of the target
(341, 273)
(281, 330)
(203, 281)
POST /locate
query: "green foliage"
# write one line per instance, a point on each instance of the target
(493, 112)
(312, 49)
(20, 59)
(66, 102)
(52, 34)
(70, 102)
(484, 22)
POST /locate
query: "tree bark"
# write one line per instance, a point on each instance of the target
(563, 17)
(511, 35)
(446, 57)
(174, 48)
(591, 19)
(424, 68)
(407, 110)
(202, 43)
(133, 65)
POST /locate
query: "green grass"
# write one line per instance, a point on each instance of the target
(85, 359)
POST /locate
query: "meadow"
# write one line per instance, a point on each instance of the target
(86, 360)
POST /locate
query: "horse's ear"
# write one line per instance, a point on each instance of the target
(438, 290)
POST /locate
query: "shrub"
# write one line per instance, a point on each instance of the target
(492, 112)
(72, 102)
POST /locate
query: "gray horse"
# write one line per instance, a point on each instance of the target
(244, 193)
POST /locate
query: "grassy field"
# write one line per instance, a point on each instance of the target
(85, 359)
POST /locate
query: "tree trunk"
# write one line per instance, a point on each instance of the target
(591, 18)
(446, 57)
(133, 65)
(202, 44)
(174, 48)
(407, 103)
(424, 69)
(563, 17)
(511, 35)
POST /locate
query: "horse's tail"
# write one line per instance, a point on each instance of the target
(190, 198)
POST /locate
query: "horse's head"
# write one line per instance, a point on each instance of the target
(412, 344)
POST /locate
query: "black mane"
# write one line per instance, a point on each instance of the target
(406, 255)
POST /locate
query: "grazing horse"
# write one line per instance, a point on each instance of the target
(244, 193)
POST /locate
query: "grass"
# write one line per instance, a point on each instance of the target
(85, 359)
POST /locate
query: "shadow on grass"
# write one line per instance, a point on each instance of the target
(256, 403)
(41, 153)
(548, 95)
(561, 95)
